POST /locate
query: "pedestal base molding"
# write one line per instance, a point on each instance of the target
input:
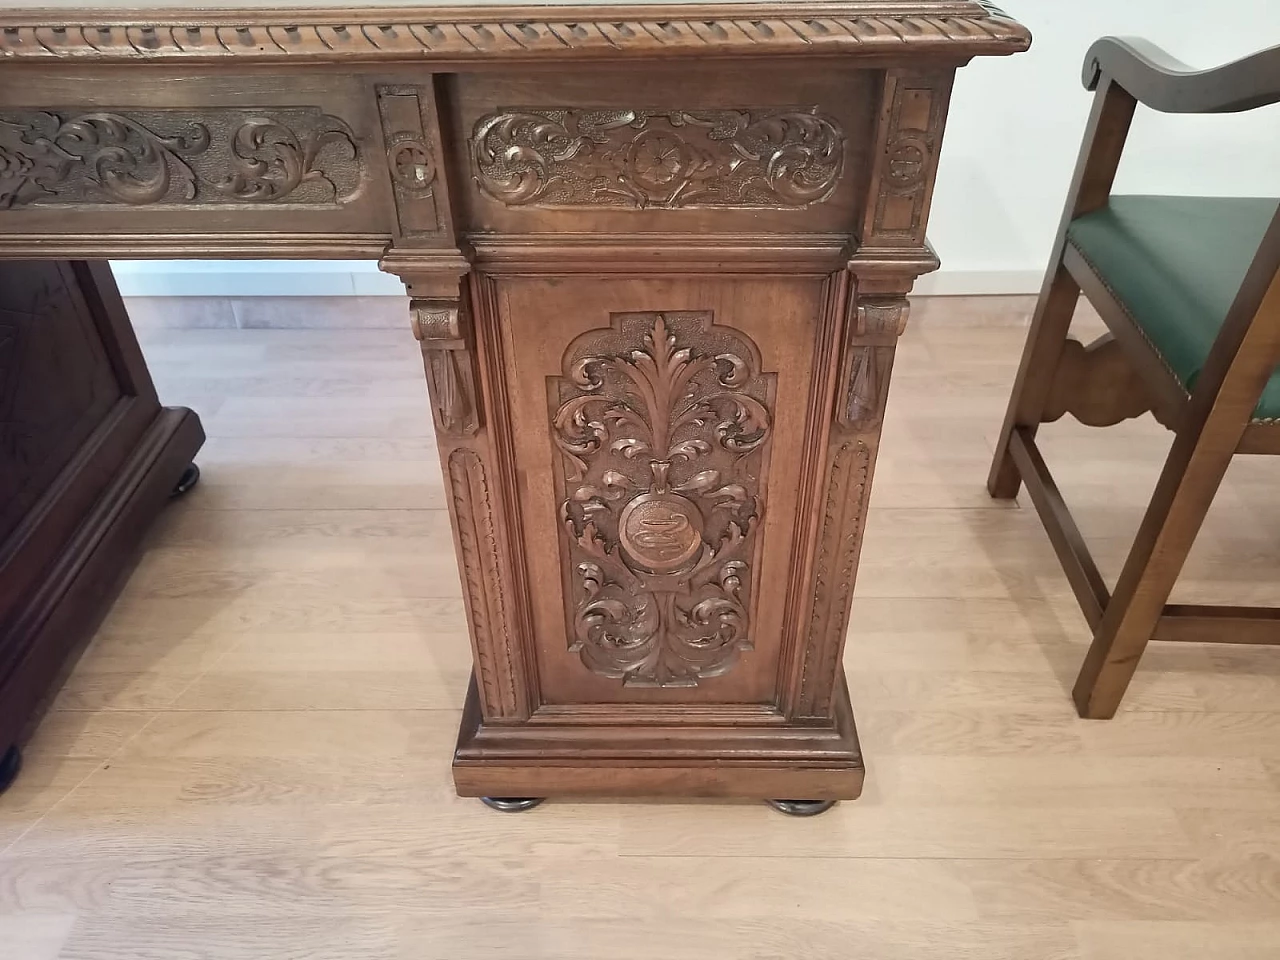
(611, 760)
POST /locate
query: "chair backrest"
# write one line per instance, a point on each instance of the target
(1147, 75)
(1163, 83)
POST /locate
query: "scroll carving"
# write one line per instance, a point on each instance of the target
(167, 157)
(910, 158)
(881, 320)
(482, 576)
(652, 158)
(446, 355)
(663, 425)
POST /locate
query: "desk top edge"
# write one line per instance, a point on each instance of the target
(275, 31)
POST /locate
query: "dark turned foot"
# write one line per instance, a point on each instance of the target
(10, 764)
(511, 804)
(190, 477)
(801, 808)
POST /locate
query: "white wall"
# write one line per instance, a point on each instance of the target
(254, 278)
(1016, 124)
(1011, 145)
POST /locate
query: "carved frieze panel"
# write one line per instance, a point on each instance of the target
(650, 158)
(663, 426)
(297, 155)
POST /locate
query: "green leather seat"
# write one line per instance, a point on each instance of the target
(1176, 264)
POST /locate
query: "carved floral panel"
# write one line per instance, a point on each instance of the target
(663, 425)
(562, 157)
(299, 155)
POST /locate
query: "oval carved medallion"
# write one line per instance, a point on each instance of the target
(660, 532)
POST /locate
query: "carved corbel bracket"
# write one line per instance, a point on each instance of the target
(881, 319)
(874, 328)
(1096, 384)
(441, 327)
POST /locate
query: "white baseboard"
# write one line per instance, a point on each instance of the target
(979, 283)
(360, 278)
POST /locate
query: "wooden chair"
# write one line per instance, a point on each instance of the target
(1189, 288)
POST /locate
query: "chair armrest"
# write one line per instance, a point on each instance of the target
(1163, 83)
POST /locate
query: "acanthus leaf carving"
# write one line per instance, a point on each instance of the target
(271, 160)
(663, 422)
(168, 157)
(651, 158)
(862, 401)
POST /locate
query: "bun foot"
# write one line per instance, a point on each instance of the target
(190, 477)
(511, 804)
(801, 808)
(10, 764)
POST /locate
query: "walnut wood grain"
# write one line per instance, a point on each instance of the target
(1096, 384)
(914, 112)
(854, 435)
(88, 458)
(411, 138)
(657, 267)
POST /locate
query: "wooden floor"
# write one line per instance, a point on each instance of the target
(252, 760)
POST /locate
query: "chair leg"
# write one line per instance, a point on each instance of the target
(1183, 495)
(1049, 327)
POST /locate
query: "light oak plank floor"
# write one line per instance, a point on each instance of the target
(251, 762)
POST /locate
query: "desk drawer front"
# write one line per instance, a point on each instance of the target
(674, 150)
(192, 155)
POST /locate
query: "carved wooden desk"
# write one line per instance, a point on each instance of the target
(658, 259)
